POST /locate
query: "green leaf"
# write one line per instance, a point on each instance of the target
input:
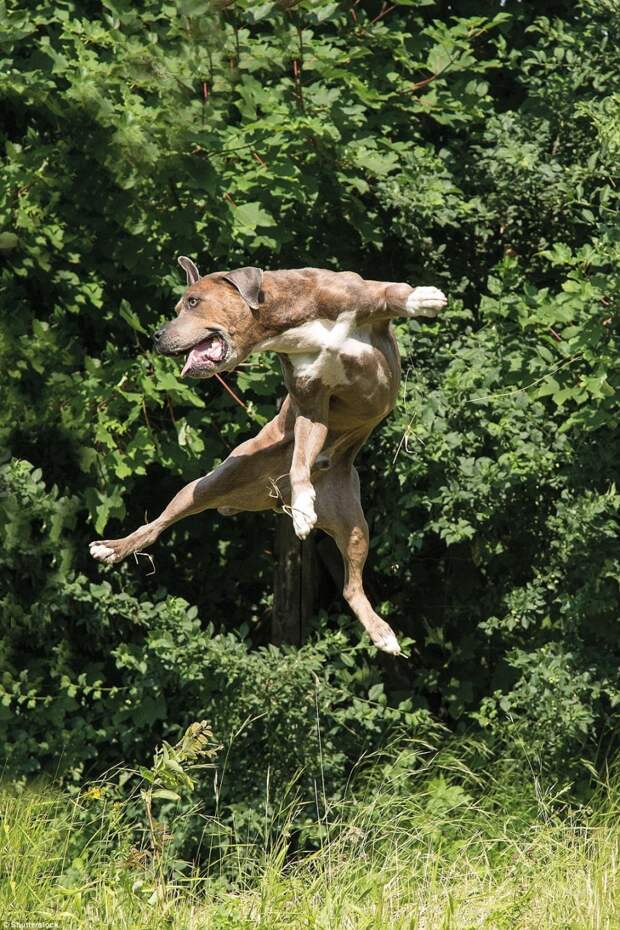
(252, 215)
(174, 766)
(130, 316)
(438, 59)
(166, 795)
(8, 241)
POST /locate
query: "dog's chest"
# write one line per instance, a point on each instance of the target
(319, 349)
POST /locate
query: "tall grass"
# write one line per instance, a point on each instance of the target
(429, 841)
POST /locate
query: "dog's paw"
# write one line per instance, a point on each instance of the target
(383, 637)
(304, 514)
(425, 301)
(105, 551)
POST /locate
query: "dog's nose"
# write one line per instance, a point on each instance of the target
(158, 334)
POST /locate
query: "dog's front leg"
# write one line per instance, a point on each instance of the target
(310, 436)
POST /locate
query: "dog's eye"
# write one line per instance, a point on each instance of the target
(193, 301)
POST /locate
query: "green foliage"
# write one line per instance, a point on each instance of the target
(171, 766)
(457, 144)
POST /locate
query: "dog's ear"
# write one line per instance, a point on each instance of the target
(190, 269)
(248, 282)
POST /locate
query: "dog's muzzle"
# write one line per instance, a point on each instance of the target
(204, 358)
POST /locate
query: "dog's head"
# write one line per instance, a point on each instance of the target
(217, 323)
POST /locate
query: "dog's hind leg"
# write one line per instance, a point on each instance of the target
(244, 481)
(340, 514)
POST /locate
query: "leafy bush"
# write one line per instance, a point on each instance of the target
(92, 674)
(467, 147)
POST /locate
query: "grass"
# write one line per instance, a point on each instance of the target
(430, 841)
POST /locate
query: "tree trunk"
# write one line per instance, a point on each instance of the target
(295, 584)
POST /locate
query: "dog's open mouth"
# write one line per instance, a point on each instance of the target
(206, 356)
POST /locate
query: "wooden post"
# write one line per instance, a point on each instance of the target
(295, 584)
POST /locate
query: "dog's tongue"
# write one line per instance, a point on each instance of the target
(188, 363)
(208, 351)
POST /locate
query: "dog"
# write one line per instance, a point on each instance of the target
(341, 368)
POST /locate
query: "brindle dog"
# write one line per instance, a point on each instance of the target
(341, 369)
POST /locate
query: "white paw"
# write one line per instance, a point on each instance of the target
(389, 644)
(425, 301)
(102, 553)
(383, 638)
(304, 514)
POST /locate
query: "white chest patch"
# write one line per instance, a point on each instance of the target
(317, 349)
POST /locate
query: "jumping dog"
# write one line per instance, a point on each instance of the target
(341, 369)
